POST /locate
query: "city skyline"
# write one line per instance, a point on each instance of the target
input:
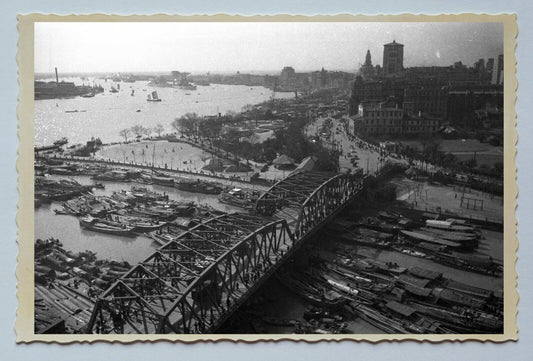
(255, 47)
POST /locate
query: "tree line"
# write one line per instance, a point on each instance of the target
(139, 131)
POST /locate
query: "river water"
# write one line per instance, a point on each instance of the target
(66, 228)
(103, 116)
(106, 114)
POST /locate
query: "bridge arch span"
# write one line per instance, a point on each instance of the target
(195, 281)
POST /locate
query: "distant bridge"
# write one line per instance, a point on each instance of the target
(193, 283)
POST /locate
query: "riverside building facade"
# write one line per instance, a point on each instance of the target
(384, 118)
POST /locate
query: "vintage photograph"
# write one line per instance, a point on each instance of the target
(270, 178)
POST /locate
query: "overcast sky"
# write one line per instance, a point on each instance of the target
(201, 47)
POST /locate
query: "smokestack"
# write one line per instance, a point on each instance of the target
(57, 78)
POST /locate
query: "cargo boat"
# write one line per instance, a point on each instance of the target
(461, 320)
(238, 198)
(199, 187)
(93, 224)
(311, 292)
(138, 224)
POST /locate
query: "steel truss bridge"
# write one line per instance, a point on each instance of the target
(193, 283)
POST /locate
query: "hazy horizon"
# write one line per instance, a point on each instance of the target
(263, 48)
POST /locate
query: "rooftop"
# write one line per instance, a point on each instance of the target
(394, 43)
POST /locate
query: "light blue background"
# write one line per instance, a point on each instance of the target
(267, 351)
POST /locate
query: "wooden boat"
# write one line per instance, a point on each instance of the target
(420, 237)
(163, 181)
(312, 292)
(449, 226)
(449, 235)
(386, 267)
(410, 252)
(365, 240)
(462, 320)
(345, 287)
(236, 197)
(199, 187)
(378, 319)
(138, 224)
(143, 194)
(456, 298)
(415, 322)
(477, 264)
(93, 224)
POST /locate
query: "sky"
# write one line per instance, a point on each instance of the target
(199, 47)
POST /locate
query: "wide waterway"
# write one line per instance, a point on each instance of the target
(106, 114)
(67, 229)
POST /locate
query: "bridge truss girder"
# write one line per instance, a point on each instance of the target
(326, 201)
(314, 195)
(194, 282)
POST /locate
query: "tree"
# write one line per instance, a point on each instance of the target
(247, 108)
(159, 129)
(210, 128)
(139, 130)
(186, 124)
(125, 133)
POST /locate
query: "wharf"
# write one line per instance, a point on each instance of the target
(182, 173)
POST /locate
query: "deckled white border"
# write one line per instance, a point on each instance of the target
(25, 217)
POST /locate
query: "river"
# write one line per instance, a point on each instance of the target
(106, 114)
(103, 116)
(66, 228)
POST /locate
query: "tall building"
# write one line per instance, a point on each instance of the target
(480, 65)
(319, 79)
(490, 67)
(499, 70)
(392, 58)
(288, 76)
(367, 70)
(368, 58)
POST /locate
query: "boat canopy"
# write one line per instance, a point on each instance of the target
(400, 308)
